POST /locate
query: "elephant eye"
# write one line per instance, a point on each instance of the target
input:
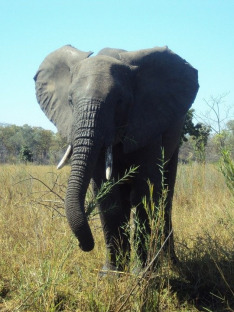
(70, 101)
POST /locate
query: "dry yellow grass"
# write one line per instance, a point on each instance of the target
(43, 269)
(203, 205)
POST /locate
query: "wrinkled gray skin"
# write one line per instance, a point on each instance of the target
(132, 101)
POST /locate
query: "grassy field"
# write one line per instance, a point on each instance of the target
(43, 269)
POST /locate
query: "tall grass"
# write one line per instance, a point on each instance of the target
(43, 269)
(226, 166)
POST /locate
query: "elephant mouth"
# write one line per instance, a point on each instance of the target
(108, 160)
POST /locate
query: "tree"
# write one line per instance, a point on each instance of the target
(26, 154)
(197, 135)
(200, 139)
(230, 136)
(219, 119)
(42, 141)
(11, 141)
(30, 144)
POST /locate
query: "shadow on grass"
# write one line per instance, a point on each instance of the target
(205, 284)
(202, 280)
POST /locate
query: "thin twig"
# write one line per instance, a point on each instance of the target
(43, 183)
(51, 208)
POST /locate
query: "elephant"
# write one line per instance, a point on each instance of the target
(117, 109)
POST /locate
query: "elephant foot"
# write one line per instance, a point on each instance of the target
(174, 260)
(109, 269)
(137, 270)
(147, 270)
(172, 257)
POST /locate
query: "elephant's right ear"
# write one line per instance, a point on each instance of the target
(53, 80)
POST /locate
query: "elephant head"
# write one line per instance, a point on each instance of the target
(128, 98)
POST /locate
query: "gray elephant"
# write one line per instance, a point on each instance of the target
(117, 109)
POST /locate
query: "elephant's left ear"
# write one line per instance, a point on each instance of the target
(53, 80)
(165, 87)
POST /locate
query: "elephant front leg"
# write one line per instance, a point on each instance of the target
(115, 214)
(141, 235)
(170, 177)
(115, 220)
(145, 192)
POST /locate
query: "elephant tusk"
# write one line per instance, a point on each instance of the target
(66, 156)
(109, 162)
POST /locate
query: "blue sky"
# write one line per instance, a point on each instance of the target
(201, 31)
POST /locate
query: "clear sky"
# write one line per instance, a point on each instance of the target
(201, 31)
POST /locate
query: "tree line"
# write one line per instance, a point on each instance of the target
(36, 145)
(30, 144)
(208, 145)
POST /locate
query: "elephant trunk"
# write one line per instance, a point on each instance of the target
(87, 143)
